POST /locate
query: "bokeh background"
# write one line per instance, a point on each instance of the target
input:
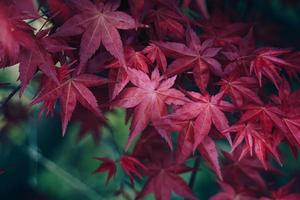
(37, 163)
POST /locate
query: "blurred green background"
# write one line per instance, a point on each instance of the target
(40, 164)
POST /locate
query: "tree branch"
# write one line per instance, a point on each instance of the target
(9, 97)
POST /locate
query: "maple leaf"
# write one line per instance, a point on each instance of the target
(61, 10)
(289, 103)
(15, 33)
(267, 115)
(131, 166)
(292, 125)
(197, 56)
(204, 111)
(245, 132)
(266, 62)
(287, 100)
(185, 142)
(69, 91)
(40, 58)
(166, 20)
(293, 59)
(121, 78)
(209, 151)
(92, 124)
(23, 9)
(149, 97)
(134, 59)
(222, 31)
(30, 61)
(164, 179)
(89, 124)
(283, 193)
(238, 54)
(155, 54)
(98, 23)
(255, 140)
(230, 193)
(150, 146)
(136, 8)
(240, 89)
(106, 165)
(244, 172)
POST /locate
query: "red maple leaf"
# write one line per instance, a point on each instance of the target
(61, 10)
(255, 141)
(204, 111)
(98, 23)
(40, 58)
(136, 8)
(293, 59)
(166, 20)
(185, 142)
(132, 166)
(283, 193)
(69, 91)
(150, 146)
(134, 59)
(268, 116)
(238, 54)
(267, 62)
(292, 125)
(221, 30)
(106, 165)
(149, 97)
(164, 179)
(230, 193)
(197, 56)
(89, 124)
(244, 173)
(289, 103)
(155, 54)
(240, 89)
(15, 33)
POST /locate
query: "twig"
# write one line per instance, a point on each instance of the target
(9, 97)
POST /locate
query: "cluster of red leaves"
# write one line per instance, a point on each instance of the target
(203, 79)
(243, 180)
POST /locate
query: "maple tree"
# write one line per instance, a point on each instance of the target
(187, 83)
